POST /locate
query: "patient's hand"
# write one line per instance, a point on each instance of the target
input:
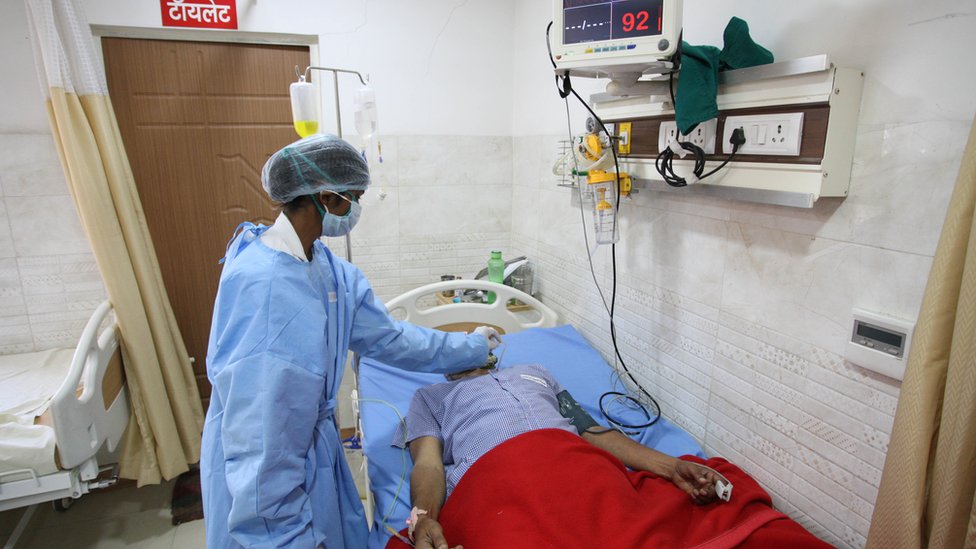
(427, 534)
(695, 480)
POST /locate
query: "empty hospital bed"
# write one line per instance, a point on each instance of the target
(531, 336)
(60, 410)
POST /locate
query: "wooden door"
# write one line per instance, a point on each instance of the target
(198, 120)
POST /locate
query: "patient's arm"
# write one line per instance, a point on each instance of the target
(427, 490)
(697, 481)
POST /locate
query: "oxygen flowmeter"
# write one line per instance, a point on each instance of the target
(602, 186)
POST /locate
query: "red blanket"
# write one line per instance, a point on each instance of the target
(550, 488)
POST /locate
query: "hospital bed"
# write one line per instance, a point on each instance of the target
(531, 335)
(60, 411)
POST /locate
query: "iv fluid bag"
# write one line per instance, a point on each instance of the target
(304, 110)
(365, 113)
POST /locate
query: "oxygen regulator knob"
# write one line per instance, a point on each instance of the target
(590, 125)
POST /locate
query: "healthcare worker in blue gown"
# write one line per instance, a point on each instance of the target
(287, 312)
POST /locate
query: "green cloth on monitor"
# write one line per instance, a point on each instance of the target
(698, 75)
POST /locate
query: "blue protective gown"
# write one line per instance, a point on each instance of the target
(273, 471)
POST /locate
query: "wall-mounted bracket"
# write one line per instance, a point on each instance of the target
(802, 115)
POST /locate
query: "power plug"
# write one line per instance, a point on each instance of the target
(738, 138)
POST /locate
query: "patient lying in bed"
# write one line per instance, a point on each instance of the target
(518, 475)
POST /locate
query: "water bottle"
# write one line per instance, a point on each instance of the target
(496, 272)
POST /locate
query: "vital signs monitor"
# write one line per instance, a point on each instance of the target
(604, 38)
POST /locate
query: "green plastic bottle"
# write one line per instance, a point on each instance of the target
(496, 272)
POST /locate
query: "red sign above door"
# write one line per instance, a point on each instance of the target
(205, 14)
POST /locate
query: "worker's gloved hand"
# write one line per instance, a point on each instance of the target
(490, 334)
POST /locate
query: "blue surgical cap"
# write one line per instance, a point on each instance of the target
(314, 164)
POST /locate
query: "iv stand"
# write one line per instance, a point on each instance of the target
(335, 87)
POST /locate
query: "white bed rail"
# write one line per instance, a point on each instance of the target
(496, 314)
(82, 423)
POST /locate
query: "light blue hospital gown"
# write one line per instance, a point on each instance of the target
(473, 415)
(272, 468)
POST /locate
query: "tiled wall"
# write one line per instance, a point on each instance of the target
(734, 315)
(49, 283)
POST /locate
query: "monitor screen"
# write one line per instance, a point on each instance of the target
(866, 330)
(598, 20)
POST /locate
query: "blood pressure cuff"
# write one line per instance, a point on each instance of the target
(571, 410)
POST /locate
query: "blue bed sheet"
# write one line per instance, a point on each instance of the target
(562, 350)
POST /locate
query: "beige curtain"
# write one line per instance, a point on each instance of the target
(927, 492)
(163, 436)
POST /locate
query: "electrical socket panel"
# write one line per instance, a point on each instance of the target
(667, 134)
(766, 134)
(703, 135)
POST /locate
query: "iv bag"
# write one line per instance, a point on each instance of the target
(367, 123)
(304, 110)
(365, 113)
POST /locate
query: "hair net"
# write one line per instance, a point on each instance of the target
(316, 163)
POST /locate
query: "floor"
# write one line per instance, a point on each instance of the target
(122, 516)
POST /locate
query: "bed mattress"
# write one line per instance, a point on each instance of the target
(27, 384)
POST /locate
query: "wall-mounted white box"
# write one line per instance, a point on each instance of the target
(879, 343)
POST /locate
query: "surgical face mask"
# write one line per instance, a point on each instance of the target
(335, 225)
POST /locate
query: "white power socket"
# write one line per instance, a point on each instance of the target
(773, 134)
(703, 135)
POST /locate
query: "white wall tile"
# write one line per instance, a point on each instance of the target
(525, 209)
(677, 202)
(29, 166)
(10, 283)
(46, 225)
(455, 208)
(49, 282)
(458, 160)
(41, 275)
(678, 252)
(526, 152)
(807, 286)
(15, 334)
(379, 222)
(6, 237)
(901, 181)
